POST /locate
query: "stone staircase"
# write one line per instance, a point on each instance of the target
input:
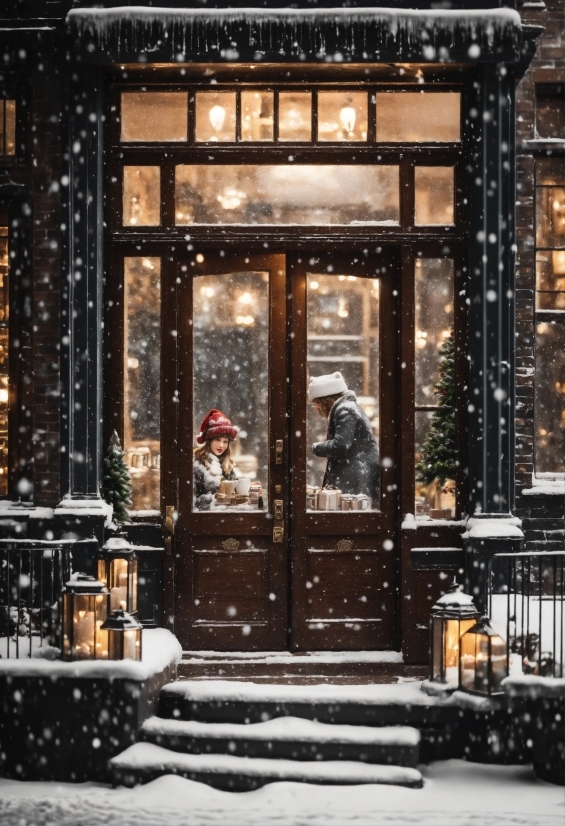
(239, 736)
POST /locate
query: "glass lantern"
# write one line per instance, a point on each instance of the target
(484, 660)
(118, 570)
(124, 636)
(451, 616)
(84, 611)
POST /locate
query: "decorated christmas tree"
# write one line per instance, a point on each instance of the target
(117, 481)
(438, 460)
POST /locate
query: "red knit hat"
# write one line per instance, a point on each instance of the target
(215, 424)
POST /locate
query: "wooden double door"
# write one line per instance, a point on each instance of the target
(252, 330)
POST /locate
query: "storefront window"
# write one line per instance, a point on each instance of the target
(7, 127)
(142, 384)
(550, 111)
(230, 355)
(418, 116)
(550, 327)
(257, 116)
(433, 195)
(152, 117)
(343, 338)
(215, 117)
(342, 116)
(287, 194)
(141, 196)
(295, 116)
(433, 327)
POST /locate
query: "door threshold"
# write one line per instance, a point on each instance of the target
(338, 667)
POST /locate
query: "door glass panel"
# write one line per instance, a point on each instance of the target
(550, 398)
(154, 116)
(142, 196)
(550, 216)
(433, 195)
(142, 379)
(257, 122)
(287, 194)
(550, 276)
(342, 116)
(4, 371)
(343, 337)
(434, 285)
(231, 357)
(295, 116)
(418, 116)
(215, 117)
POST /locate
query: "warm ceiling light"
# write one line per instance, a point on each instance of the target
(347, 118)
(217, 115)
(314, 285)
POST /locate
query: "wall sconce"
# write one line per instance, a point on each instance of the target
(217, 116)
(124, 636)
(84, 610)
(451, 616)
(484, 660)
(347, 118)
(118, 570)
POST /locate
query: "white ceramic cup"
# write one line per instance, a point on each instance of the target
(242, 487)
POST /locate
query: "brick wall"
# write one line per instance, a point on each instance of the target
(544, 519)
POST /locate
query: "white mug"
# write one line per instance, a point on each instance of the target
(242, 487)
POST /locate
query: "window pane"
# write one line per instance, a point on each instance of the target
(142, 196)
(550, 172)
(343, 335)
(215, 117)
(550, 111)
(4, 372)
(257, 116)
(295, 116)
(433, 195)
(231, 345)
(433, 322)
(550, 216)
(550, 277)
(142, 379)
(418, 116)
(154, 116)
(550, 398)
(434, 495)
(287, 194)
(342, 116)
(10, 128)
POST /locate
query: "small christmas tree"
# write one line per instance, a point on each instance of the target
(438, 460)
(117, 480)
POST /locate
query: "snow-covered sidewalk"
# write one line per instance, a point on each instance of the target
(455, 794)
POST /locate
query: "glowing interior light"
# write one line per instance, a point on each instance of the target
(347, 118)
(217, 115)
(209, 292)
(341, 277)
(352, 278)
(246, 298)
(3, 394)
(314, 285)
(244, 320)
(133, 364)
(342, 309)
(147, 264)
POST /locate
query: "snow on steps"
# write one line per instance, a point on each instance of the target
(288, 737)
(144, 762)
(217, 701)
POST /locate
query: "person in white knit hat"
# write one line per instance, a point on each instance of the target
(350, 447)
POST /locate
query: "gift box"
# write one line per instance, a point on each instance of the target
(346, 502)
(312, 498)
(360, 502)
(329, 499)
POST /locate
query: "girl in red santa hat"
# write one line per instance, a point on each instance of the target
(212, 459)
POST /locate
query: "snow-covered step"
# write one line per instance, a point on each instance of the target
(288, 737)
(248, 702)
(144, 762)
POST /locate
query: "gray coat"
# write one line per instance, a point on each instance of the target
(351, 449)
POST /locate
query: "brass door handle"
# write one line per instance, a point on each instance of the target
(278, 533)
(279, 448)
(170, 519)
(278, 528)
(279, 509)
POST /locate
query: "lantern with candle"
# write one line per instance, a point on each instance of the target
(117, 569)
(451, 616)
(484, 660)
(124, 636)
(84, 611)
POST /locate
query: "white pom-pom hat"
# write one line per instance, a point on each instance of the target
(328, 385)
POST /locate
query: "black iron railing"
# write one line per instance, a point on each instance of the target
(527, 607)
(32, 573)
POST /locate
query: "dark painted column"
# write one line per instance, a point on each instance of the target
(491, 297)
(82, 329)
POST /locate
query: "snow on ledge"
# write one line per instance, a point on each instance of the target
(530, 685)
(412, 523)
(503, 527)
(287, 658)
(546, 487)
(160, 650)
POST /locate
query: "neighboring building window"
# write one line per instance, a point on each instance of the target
(550, 111)
(4, 373)
(550, 317)
(7, 127)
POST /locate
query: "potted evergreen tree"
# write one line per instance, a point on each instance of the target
(117, 488)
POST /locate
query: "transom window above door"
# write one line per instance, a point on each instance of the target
(307, 116)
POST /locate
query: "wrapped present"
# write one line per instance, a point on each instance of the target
(329, 499)
(346, 502)
(360, 502)
(312, 498)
